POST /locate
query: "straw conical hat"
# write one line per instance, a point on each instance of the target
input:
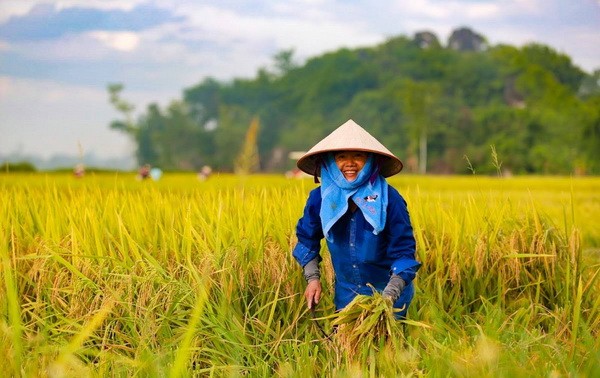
(350, 136)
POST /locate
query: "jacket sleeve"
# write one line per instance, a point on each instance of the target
(309, 230)
(402, 245)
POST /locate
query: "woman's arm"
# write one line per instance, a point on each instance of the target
(402, 245)
(309, 230)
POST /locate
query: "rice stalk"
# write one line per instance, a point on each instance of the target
(11, 306)
(368, 321)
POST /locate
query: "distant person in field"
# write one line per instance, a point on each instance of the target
(144, 172)
(204, 173)
(364, 221)
(79, 170)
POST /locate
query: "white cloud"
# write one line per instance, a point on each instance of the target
(316, 10)
(10, 8)
(471, 10)
(85, 47)
(422, 9)
(509, 35)
(45, 118)
(482, 11)
(5, 83)
(77, 48)
(121, 41)
(529, 6)
(309, 33)
(100, 4)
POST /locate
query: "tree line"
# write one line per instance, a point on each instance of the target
(466, 106)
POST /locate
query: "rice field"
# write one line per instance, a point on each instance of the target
(109, 276)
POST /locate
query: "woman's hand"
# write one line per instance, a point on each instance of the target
(394, 288)
(313, 293)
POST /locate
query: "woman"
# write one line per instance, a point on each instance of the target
(364, 221)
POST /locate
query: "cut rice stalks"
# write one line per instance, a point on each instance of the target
(367, 322)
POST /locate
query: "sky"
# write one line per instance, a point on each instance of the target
(57, 57)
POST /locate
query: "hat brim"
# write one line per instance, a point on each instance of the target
(349, 137)
(310, 163)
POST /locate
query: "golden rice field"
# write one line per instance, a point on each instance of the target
(109, 276)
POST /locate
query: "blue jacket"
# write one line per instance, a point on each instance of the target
(360, 257)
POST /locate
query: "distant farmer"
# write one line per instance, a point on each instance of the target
(144, 172)
(79, 170)
(364, 221)
(204, 173)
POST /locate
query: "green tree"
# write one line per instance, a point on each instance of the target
(284, 62)
(421, 100)
(145, 151)
(229, 136)
(559, 65)
(126, 108)
(148, 131)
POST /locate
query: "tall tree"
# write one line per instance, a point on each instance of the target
(122, 106)
(421, 101)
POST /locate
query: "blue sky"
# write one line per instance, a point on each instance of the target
(57, 57)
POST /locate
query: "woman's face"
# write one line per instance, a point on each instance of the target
(350, 163)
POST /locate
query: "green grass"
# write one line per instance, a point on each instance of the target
(109, 276)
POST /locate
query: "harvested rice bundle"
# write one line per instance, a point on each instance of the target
(367, 322)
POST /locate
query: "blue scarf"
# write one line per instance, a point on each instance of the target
(368, 191)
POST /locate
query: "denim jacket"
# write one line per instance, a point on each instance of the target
(360, 257)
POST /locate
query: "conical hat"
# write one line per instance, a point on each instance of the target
(350, 136)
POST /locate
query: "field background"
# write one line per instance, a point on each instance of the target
(107, 275)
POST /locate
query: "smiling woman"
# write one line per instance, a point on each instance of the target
(350, 163)
(364, 221)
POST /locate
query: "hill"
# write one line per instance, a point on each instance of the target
(449, 108)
